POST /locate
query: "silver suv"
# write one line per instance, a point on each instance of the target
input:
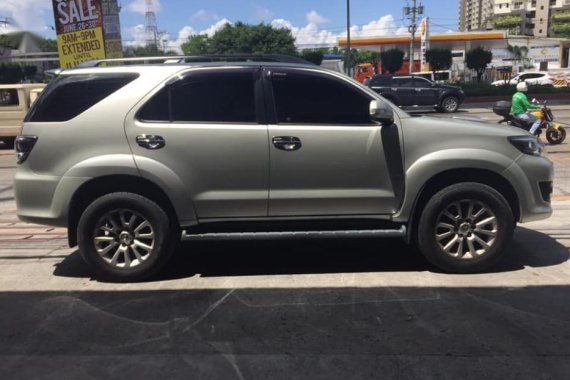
(132, 158)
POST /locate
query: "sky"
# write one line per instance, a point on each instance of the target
(312, 22)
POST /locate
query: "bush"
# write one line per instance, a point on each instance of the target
(474, 89)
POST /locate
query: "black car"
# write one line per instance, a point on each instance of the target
(416, 91)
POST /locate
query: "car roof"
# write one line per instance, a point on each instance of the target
(175, 67)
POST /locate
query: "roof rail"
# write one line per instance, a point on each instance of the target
(172, 59)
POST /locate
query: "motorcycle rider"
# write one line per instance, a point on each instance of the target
(521, 105)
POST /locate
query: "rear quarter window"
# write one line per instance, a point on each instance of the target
(70, 95)
(9, 97)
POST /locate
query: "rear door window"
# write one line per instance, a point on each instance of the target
(381, 81)
(403, 82)
(215, 96)
(420, 82)
(70, 95)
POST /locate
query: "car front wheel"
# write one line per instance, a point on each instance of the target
(465, 228)
(450, 104)
(126, 237)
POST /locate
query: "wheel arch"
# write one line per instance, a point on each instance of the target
(453, 176)
(100, 186)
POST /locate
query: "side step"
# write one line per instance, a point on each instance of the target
(295, 235)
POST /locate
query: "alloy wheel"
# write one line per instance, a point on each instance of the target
(466, 229)
(124, 238)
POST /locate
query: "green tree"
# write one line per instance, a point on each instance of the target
(140, 51)
(477, 59)
(196, 44)
(11, 73)
(439, 59)
(29, 71)
(243, 38)
(392, 60)
(520, 54)
(313, 55)
(47, 45)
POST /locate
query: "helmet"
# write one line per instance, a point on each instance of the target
(522, 86)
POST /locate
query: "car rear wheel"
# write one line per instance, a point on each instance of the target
(126, 237)
(449, 104)
(465, 228)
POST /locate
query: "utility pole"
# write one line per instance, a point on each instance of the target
(412, 12)
(348, 52)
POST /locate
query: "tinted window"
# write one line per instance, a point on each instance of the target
(403, 82)
(212, 96)
(69, 95)
(9, 97)
(533, 76)
(315, 99)
(381, 80)
(421, 82)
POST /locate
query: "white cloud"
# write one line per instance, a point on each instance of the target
(138, 35)
(28, 14)
(217, 26)
(307, 36)
(204, 15)
(139, 6)
(314, 18)
(263, 14)
(185, 32)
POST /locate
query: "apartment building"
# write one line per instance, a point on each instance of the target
(538, 18)
(475, 15)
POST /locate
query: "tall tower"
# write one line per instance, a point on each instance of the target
(151, 29)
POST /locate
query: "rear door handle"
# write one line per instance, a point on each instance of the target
(151, 141)
(287, 143)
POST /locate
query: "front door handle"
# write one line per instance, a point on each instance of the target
(151, 141)
(287, 143)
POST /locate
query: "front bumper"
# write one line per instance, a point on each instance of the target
(532, 178)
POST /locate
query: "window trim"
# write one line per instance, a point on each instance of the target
(185, 75)
(272, 106)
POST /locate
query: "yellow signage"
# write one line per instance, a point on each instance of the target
(79, 28)
(76, 47)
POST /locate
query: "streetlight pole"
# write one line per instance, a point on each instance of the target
(413, 11)
(348, 53)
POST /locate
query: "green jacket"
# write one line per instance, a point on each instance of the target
(521, 104)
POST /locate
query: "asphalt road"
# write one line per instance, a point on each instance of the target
(319, 309)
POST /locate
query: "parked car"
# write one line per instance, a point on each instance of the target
(417, 91)
(264, 149)
(531, 78)
(15, 99)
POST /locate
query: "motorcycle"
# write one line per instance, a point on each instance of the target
(555, 133)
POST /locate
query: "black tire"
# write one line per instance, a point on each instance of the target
(165, 237)
(431, 238)
(449, 104)
(555, 137)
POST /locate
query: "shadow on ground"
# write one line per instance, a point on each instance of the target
(311, 333)
(274, 257)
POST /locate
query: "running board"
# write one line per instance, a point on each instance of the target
(295, 235)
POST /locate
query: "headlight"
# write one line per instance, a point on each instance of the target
(528, 145)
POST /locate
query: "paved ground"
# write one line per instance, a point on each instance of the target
(340, 309)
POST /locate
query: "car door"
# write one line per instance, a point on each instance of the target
(426, 92)
(212, 143)
(405, 90)
(326, 156)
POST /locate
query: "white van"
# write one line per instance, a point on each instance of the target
(440, 76)
(15, 99)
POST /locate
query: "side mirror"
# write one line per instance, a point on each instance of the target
(381, 113)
